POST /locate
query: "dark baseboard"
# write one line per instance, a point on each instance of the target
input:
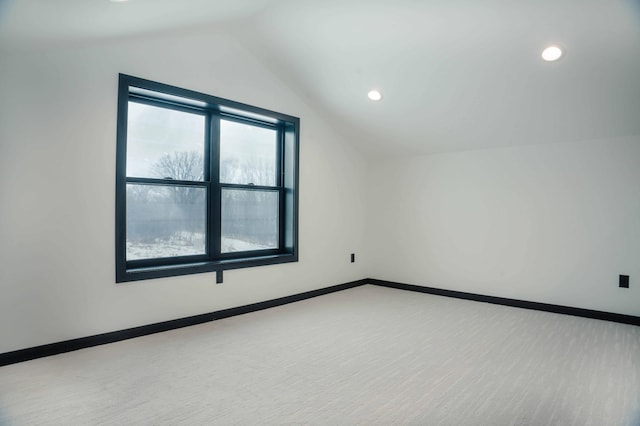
(558, 309)
(115, 336)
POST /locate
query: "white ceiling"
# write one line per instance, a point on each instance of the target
(455, 75)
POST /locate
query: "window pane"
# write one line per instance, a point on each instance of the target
(247, 154)
(164, 143)
(165, 221)
(249, 220)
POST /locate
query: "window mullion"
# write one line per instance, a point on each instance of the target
(213, 143)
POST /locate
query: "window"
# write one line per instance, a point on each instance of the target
(202, 183)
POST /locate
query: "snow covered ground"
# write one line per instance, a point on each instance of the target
(230, 245)
(160, 249)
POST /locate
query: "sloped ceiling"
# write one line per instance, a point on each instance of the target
(455, 75)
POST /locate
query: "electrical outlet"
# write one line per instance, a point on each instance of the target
(353, 257)
(624, 281)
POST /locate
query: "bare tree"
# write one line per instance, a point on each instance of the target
(185, 165)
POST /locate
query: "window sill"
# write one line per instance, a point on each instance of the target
(137, 274)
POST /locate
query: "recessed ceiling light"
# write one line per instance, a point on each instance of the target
(118, 1)
(374, 95)
(551, 53)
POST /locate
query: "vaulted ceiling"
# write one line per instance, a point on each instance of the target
(455, 75)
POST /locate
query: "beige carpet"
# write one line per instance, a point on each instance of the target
(369, 355)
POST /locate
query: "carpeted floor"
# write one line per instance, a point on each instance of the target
(369, 355)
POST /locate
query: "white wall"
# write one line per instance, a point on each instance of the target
(57, 178)
(546, 223)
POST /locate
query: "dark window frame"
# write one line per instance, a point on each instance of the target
(214, 109)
